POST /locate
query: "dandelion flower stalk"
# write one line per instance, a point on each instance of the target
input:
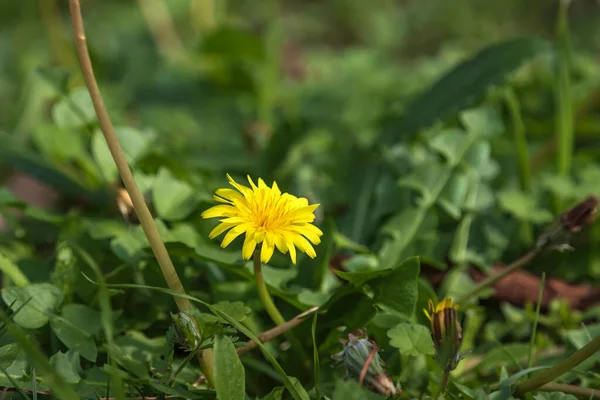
(263, 293)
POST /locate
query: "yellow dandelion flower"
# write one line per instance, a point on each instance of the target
(268, 218)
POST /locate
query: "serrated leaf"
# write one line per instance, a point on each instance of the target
(173, 199)
(468, 81)
(230, 380)
(236, 310)
(45, 298)
(411, 339)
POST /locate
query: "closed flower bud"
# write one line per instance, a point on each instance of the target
(446, 333)
(363, 363)
(187, 335)
(557, 236)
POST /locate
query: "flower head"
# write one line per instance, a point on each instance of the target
(268, 218)
(446, 333)
(363, 362)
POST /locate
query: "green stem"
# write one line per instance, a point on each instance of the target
(491, 280)
(562, 367)
(263, 293)
(535, 322)
(518, 128)
(564, 112)
(181, 367)
(444, 384)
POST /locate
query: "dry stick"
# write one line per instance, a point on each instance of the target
(492, 279)
(139, 205)
(365, 367)
(571, 389)
(562, 367)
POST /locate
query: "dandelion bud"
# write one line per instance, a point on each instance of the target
(363, 363)
(187, 335)
(446, 333)
(558, 234)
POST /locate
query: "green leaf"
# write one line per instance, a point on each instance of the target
(133, 143)
(58, 143)
(230, 381)
(450, 144)
(353, 310)
(75, 111)
(467, 82)
(8, 354)
(276, 277)
(76, 329)
(523, 207)
(396, 287)
(45, 298)
(173, 199)
(411, 339)
(67, 365)
(236, 310)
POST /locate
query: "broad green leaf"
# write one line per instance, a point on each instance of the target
(523, 207)
(396, 287)
(411, 339)
(173, 199)
(484, 120)
(75, 111)
(12, 272)
(230, 381)
(133, 143)
(58, 143)
(76, 329)
(67, 365)
(275, 394)
(99, 229)
(353, 310)
(467, 82)
(8, 354)
(45, 298)
(399, 290)
(217, 255)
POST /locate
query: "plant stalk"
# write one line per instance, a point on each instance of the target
(562, 367)
(139, 204)
(263, 293)
(492, 279)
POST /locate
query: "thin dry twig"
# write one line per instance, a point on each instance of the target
(365, 368)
